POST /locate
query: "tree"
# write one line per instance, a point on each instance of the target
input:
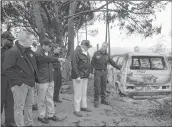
(51, 19)
(158, 48)
(71, 27)
(133, 16)
(38, 21)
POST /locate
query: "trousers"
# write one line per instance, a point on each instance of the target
(23, 101)
(100, 81)
(57, 84)
(45, 100)
(7, 100)
(80, 93)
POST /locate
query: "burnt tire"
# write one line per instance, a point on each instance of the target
(118, 91)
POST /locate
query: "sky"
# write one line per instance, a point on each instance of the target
(162, 18)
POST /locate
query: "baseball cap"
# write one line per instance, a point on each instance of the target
(7, 35)
(47, 42)
(86, 43)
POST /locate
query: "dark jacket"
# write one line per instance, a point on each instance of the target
(56, 65)
(19, 67)
(3, 50)
(81, 65)
(100, 60)
(45, 67)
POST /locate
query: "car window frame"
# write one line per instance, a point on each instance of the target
(139, 57)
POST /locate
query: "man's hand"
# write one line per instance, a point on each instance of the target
(78, 79)
(62, 59)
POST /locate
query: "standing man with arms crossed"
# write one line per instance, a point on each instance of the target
(21, 69)
(6, 94)
(99, 62)
(81, 67)
(57, 74)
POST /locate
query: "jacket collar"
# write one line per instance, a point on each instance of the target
(22, 49)
(102, 52)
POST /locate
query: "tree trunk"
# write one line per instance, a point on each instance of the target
(58, 25)
(38, 20)
(71, 28)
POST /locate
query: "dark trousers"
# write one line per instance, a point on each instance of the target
(7, 100)
(100, 80)
(57, 84)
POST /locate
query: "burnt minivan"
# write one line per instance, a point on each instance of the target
(142, 75)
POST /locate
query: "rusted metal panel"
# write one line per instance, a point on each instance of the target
(154, 77)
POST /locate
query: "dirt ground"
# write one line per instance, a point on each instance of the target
(122, 111)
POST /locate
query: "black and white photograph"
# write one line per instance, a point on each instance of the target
(86, 63)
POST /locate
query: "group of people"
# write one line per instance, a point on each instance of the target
(23, 70)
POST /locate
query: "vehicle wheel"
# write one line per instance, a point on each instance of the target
(118, 91)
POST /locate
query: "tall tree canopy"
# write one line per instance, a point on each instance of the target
(51, 17)
(52, 13)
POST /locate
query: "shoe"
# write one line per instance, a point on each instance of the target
(86, 109)
(35, 107)
(105, 102)
(58, 101)
(43, 120)
(79, 114)
(54, 118)
(96, 104)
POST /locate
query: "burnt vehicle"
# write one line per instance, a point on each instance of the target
(142, 75)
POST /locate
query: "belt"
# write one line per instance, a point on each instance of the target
(101, 69)
(57, 69)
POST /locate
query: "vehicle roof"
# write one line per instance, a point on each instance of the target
(139, 54)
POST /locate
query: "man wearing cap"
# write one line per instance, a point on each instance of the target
(45, 83)
(21, 69)
(81, 67)
(6, 94)
(99, 62)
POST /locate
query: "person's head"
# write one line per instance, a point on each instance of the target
(56, 48)
(136, 49)
(25, 38)
(104, 46)
(85, 44)
(46, 45)
(7, 39)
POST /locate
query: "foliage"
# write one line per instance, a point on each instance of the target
(20, 13)
(159, 47)
(134, 16)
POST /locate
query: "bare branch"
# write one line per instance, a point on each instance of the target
(93, 10)
(135, 22)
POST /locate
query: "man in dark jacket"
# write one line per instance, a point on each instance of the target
(6, 94)
(57, 74)
(99, 62)
(21, 69)
(81, 67)
(45, 84)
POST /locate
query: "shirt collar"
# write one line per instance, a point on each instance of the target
(23, 49)
(83, 50)
(102, 52)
